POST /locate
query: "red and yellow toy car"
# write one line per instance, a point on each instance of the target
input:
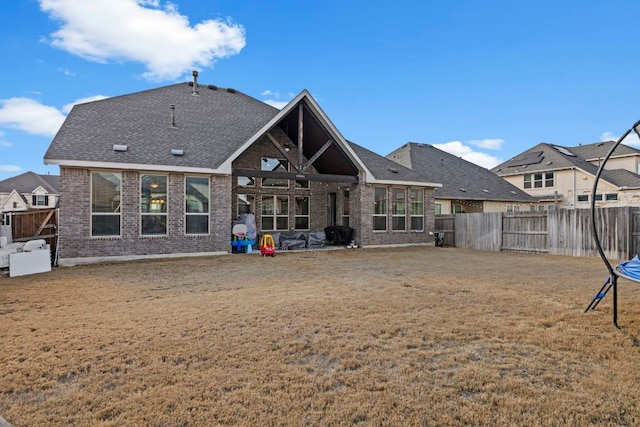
(267, 247)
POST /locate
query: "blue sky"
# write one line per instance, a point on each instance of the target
(482, 79)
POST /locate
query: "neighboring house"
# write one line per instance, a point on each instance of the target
(562, 177)
(168, 170)
(29, 191)
(466, 187)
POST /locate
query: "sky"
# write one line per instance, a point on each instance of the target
(481, 79)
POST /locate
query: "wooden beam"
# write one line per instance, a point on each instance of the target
(281, 149)
(318, 154)
(299, 167)
(44, 222)
(296, 176)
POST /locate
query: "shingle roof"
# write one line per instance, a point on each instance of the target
(600, 149)
(29, 181)
(208, 127)
(556, 157)
(386, 169)
(460, 179)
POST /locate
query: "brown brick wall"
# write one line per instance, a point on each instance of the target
(75, 239)
(75, 215)
(368, 237)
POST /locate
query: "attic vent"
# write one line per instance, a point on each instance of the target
(393, 170)
(118, 147)
(213, 87)
(549, 163)
(195, 83)
(231, 90)
(498, 170)
(512, 192)
(484, 190)
(177, 152)
(463, 190)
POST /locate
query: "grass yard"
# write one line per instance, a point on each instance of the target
(395, 337)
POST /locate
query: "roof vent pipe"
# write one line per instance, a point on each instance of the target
(195, 83)
(173, 115)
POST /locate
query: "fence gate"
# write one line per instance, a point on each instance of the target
(634, 244)
(36, 224)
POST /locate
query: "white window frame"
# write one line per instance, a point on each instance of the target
(416, 213)
(346, 209)
(113, 210)
(282, 162)
(205, 213)
(250, 200)
(398, 208)
(164, 214)
(380, 211)
(302, 216)
(274, 215)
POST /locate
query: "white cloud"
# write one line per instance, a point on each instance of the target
(275, 99)
(631, 139)
(489, 144)
(30, 116)
(142, 31)
(9, 168)
(457, 148)
(275, 103)
(67, 108)
(66, 72)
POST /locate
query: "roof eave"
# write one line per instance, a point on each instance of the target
(136, 166)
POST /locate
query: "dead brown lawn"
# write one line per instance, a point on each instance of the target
(397, 337)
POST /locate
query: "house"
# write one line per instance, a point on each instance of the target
(562, 177)
(29, 191)
(466, 187)
(168, 170)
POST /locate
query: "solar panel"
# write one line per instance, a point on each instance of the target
(531, 158)
(564, 151)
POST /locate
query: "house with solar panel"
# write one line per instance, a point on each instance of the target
(466, 187)
(562, 177)
(168, 171)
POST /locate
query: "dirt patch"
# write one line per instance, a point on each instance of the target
(411, 336)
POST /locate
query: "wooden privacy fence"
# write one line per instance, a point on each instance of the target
(564, 232)
(36, 224)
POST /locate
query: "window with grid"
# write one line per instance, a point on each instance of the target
(105, 203)
(302, 213)
(196, 205)
(246, 181)
(527, 181)
(270, 164)
(345, 208)
(275, 212)
(537, 180)
(398, 209)
(416, 197)
(379, 208)
(40, 200)
(245, 203)
(153, 205)
(548, 179)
